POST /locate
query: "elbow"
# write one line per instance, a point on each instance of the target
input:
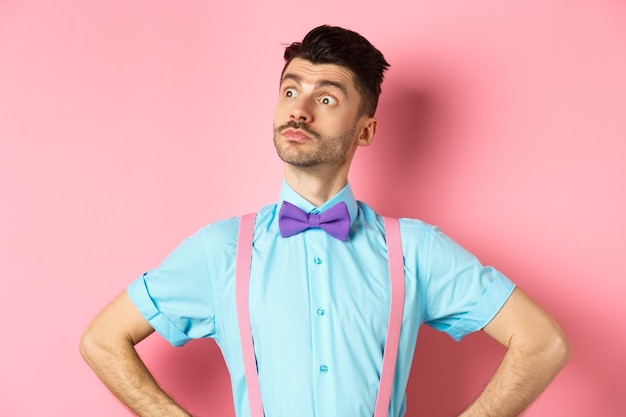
(557, 349)
(93, 346)
(566, 349)
(87, 346)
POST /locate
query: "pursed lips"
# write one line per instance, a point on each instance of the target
(296, 135)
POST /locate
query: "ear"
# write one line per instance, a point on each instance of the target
(368, 130)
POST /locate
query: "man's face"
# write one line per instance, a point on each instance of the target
(315, 119)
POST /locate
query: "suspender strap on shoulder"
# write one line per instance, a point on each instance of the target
(242, 271)
(396, 310)
(390, 353)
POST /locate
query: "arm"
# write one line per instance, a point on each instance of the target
(537, 350)
(108, 346)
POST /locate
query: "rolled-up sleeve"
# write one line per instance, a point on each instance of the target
(176, 298)
(462, 295)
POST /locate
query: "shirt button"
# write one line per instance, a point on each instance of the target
(323, 369)
(317, 260)
(321, 311)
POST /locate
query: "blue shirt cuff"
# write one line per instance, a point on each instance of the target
(141, 298)
(485, 309)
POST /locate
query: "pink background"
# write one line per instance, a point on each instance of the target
(125, 126)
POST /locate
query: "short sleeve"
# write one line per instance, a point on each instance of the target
(176, 298)
(462, 295)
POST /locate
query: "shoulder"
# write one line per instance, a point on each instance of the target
(409, 227)
(416, 226)
(225, 230)
(220, 228)
(417, 235)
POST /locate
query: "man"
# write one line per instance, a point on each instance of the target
(318, 301)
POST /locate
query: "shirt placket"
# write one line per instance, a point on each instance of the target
(318, 265)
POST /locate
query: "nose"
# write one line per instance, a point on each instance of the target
(300, 112)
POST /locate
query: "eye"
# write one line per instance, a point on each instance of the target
(328, 100)
(290, 92)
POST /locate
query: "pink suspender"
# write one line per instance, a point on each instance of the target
(396, 275)
(242, 271)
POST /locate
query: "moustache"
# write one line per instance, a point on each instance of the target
(292, 124)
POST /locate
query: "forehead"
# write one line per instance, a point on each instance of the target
(309, 73)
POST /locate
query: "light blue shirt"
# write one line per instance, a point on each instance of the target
(318, 306)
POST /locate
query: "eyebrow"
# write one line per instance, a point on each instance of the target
(320, 83)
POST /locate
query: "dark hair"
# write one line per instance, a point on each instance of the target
(335, 45)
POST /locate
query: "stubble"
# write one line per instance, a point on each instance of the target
(324, 149)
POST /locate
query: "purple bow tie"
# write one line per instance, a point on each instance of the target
(335, 221)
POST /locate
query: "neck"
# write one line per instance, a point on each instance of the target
(316, 187)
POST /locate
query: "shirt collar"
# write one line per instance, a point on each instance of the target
(288, 194)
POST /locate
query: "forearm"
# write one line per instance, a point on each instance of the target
(121, 369)
(108, 346)
(523, 374)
